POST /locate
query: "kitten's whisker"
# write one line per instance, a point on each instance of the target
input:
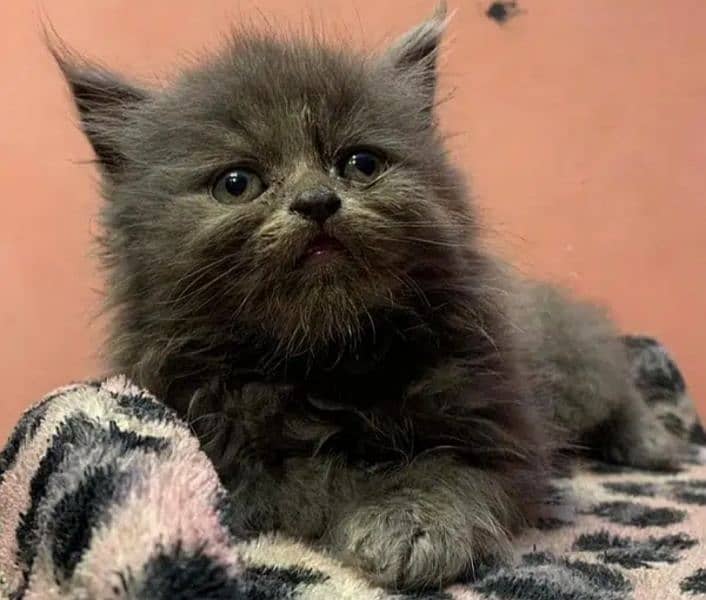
(193, 274)
(192, 422)
(430, 226)
(241, 306)
(408, 282)
(422, 241)
(203, 288)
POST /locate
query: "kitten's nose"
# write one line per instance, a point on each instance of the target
(316, 205)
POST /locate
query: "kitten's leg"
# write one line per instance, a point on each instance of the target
(240, 431)
(579, 366)
(427, 524)
(422, 525)
(633, 435)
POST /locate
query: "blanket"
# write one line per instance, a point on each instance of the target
(105, 493)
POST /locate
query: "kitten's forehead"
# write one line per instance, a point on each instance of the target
(278, 95)
(265, 96)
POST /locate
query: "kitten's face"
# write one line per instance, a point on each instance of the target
(283, 185)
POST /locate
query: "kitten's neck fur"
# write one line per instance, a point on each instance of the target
(451, 318)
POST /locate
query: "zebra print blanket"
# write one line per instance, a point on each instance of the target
(104, 493)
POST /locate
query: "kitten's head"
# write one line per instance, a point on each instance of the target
(283, 186)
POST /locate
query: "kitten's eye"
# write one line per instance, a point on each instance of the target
(362, 166)
(239, 185)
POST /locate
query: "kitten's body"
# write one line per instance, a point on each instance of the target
(400, 402)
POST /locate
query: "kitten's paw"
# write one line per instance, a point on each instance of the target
(404, 549)
(647, 445)
(397, 551)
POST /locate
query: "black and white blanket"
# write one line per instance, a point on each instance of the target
(104, 493)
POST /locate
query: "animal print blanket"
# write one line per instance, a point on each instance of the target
(104, 493)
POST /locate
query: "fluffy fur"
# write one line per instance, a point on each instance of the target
(394, 404)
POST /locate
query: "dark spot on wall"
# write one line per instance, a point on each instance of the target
(501, 12)
(638, 515)
(694, 584)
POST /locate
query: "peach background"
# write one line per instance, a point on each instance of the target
(583, 123)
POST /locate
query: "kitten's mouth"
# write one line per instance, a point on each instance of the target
(323, 247)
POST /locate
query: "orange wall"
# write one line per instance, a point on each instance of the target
(583, 124)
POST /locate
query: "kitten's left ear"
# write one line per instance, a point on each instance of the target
(104, 102)
(416, 51)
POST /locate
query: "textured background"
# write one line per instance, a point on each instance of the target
(582, 123)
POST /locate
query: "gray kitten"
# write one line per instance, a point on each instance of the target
(296, 268)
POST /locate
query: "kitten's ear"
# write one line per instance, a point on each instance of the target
(104, 101)
(416, 51)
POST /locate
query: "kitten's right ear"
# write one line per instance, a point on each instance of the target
(416, 51)
(104, 101)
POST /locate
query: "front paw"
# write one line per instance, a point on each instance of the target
(405, 548)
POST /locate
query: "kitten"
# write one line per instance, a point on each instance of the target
(294, 266)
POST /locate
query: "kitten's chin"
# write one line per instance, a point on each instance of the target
(328, 300)
(322, 251)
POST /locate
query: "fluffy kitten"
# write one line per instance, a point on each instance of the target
(295, 267)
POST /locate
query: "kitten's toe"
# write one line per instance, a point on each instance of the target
(398, 551)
